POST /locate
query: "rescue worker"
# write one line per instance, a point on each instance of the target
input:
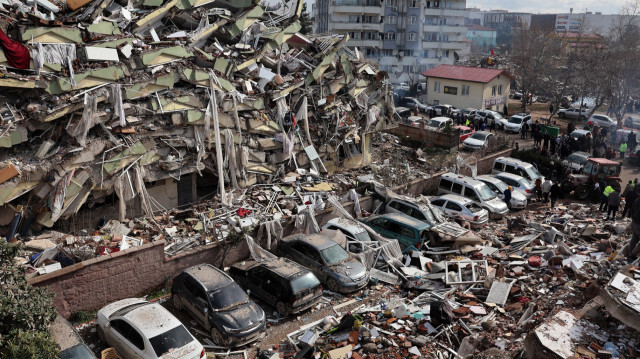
(546, 188)
(614, 203)
(604, 200)
(554, 193)
(623, 149)
(629, 198)
(507, 196)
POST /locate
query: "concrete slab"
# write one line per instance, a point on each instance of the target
(101, 54)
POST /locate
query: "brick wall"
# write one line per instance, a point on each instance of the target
(134, 272)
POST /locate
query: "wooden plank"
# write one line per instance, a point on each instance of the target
(8, 173)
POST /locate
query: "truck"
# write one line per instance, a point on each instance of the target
(594, 170)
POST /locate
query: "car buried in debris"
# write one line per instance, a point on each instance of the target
(137, 329)
(281, 283)
(218, 303)
(336, 268)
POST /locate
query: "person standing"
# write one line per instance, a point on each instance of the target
(507, 196)
(629, 198)
(623, 149)
(538, 189)
(604, 200)
(554, 193)
(614, 203)
(546, 188)
(552, 146)
(505, 111)
(550, 109)
(627, 188)
(633, 248)
(459, 118)
(545, 143)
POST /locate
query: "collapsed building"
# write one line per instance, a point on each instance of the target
(113, 109)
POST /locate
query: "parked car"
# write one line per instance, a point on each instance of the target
(632, 122)
(402, 86)
(604, 122)
(415, 121)
(78, 351)
(478, 140)
(468, 113)
(142, 330)
(575, 113)
(518, 200)
(401, 113)
(331, 263)
(219, 304)
(454, 206)
(515, 166)
(518, 183)
(575, 161)
(515, 122)
(465, 132)
(412, 103)
(490, 116)
(443, 110)
(353, 230)
(577, 134)
(451, 183)
(71, 344)
(439, 123)
(407, 230)
(281, 283)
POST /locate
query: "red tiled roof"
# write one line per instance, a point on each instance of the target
(472, 74)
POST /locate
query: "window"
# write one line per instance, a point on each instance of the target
(387, 52)
(471, 194)
(413, 20)
(354, 18)
(499, 89)
(446, 53)
(391, 19)
(354, 35)
(457, 188)
(497, 166)
(445, 184)
(171, 339)
(436, 86)
(369, 19)
(128, 332)
(438, 202)
(407, 232)
(412, 36)
(493, 91)
(453, 206)
(389, 35)
(414, 3)
(465, 90)
(511, 169)
(424, 53)
(392, 3)
(408, 53)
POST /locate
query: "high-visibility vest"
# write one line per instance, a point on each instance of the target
(608, 190)
(623, 147)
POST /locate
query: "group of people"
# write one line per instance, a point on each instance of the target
(547, 191)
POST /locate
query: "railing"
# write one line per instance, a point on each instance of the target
(356, 3)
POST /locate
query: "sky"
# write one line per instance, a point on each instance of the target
(550, 6)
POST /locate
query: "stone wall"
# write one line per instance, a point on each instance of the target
(134, 272)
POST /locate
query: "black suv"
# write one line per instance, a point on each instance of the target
(219, 304)
(284, 284)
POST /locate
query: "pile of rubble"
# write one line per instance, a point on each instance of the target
(103, 100)
(548, 283)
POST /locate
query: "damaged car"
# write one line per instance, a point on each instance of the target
(330, 262)
(218, 303)
(281, 283)
(136, 328)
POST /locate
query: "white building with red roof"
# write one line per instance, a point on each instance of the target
(468, 87)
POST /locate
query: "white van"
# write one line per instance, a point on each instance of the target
(439, 123)
(477, 191)
(516, 167)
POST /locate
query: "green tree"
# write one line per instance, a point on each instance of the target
(25, 312)
(306, 21)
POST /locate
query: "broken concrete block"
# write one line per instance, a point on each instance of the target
(101, 54)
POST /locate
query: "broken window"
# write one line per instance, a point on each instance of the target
(465, 90)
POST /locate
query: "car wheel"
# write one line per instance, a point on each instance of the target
(332, 285)
(101, 335)
(217, 337)
(282, 309)
(176, 302)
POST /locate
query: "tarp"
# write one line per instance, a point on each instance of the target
(17, 55)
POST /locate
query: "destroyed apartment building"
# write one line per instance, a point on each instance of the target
(115, 109)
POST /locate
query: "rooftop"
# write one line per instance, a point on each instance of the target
(472, 74)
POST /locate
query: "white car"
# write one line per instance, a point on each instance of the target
(604, 121)
(439, 123)
(518, 183)
(580, 114)
(478, 140)
(353, 230)
(138, 329)
(515, 122)
(454, 206)
(576, 160)
(518, 200)
(577, 134)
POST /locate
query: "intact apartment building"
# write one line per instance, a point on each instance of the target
(407, 37)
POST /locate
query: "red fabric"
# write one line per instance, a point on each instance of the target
(17, 55)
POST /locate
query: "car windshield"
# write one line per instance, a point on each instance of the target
(525, 182)
(479, 136)
(363, 236)
(515, 120)
(533, 173)
(78, 351)
(433, 123)
(334, 254)
(485, 192)
(228, 297)
(304, 282)
(171, 339)
(501, 185)
(577, 159)
(497, 116)
(474, 208)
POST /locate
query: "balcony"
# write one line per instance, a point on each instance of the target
(445, 28)
(356, 6)
(364, 43)
(450, 45)
(355, 26)
(446, 12)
